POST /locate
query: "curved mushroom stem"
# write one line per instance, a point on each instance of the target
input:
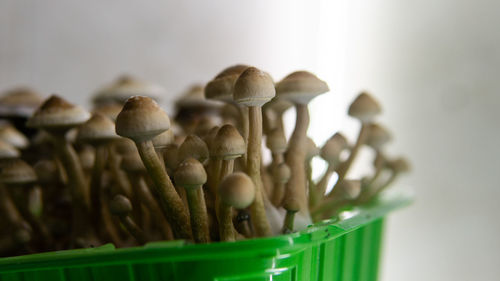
(317, 193)
(344, 167)
(226, 227)
(261, 224)
(198, 212)
(295, 158)
(170, 202)
(118, 175)
(110, 232)
(278, 193)
(133, 229)
(288, 222)
(149, 201)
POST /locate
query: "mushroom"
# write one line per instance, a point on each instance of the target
(253, 89)
(161, 141)
(18, 104)
(397, 167)
(193, 146)
(191, 175)
(121, 207)
(300, 88)
(7, 152)
(291, 206)
(141, 119)
(125, 87)
(12, 136)
(345, 192)
(109, 110)
(377, 137)
(364, 108)
(236, 191)
(281, 175)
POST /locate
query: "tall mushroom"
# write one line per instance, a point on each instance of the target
(300, 88)
(253, 89)
(141, 119)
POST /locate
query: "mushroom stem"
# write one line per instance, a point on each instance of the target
(295, 158)
(244, 121)
(243, 223)
(170, 202)
(226, 228)
(288, 222)
(118, 175)
(262, 227)
(329, 207)
(133, 229)
(198, 212)
(316, 194)
(344, 167)
(109, 227)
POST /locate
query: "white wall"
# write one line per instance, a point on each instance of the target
(433, 64)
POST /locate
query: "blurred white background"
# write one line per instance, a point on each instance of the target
(434, 65)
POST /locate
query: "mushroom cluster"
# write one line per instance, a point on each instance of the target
(126, 174)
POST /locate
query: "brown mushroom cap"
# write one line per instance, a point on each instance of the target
(97, 129)
(46, 171)
(254, 87)
(171, 156)
(193, 147)
(364, 108)
(228, 143)
(399, 165)
(331, 150)
(195, 97)
(16, 171)
(190, 174)
(132, 163)
(291, 204)
(125, 87)
(164, 139)
(57, 114)
(120, 205)
(20, 102)
(377, 136)
(349, 189)
(210, 136)
(301, 87)
(141, 119)
(109, 110)
(125, 146)
(237, 190)
(281, 173)
(221, 87)
(12, 136)
(276, 141)
(7, 151)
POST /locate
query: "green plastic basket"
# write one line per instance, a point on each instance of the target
(340, 249)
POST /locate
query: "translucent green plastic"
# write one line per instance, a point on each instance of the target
(346, 249)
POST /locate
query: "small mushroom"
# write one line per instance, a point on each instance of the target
(253, 89)
(12, 136)
(291, 206)
(281, 175)
(141, 119)
(236, 191)
(125, 87)
(193, 146)
(191, 175)
(345, 192)
(121, 207)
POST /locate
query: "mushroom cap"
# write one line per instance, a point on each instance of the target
(281, 173)
(8, 151)
(46, 171)
(193, 146)
(228, 143)
(278, 105)
(301, 87)
(132, 163)
(12, 136)
(210, 136)
(312, 148)
(17, 172)
(291, 204)
(20, 102)
(97, 129)
(364, 108)
(276, 141)
(56, 113)
(399, 165)
(254, 87)
(222, 86)
(163, 139)
(331, 150)
(120, 205)
(195, 97)
(125, 146)
(87, 157)
(349, 189)
(190, 174)
(171, 156)
(237, 190)
(377, 136)
(125, 87)
(110, 110)
(141, 119)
